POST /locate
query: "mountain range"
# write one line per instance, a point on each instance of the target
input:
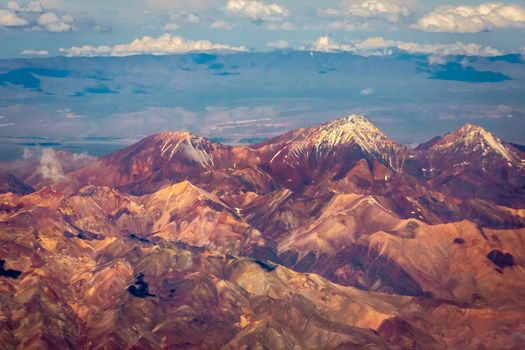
(178, 241)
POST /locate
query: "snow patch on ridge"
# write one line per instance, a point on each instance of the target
(192, 147)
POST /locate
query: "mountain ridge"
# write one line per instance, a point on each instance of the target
(328, 152)
(176, 237)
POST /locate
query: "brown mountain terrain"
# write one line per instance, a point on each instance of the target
(10, 183)
(180, 242)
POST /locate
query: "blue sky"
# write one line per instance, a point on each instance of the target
(54, 27)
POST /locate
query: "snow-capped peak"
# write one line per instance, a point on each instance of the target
(328, 139)
(473, 138)
(352, 129)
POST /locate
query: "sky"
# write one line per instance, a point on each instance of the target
(120, 28)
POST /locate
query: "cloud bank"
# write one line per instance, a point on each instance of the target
(382, 46)
(164, 44)
(390, 10)
(257, 10)
(35, 52)
(472, 19)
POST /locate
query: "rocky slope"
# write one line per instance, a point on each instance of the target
(112, 291)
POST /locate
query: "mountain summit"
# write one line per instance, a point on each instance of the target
(473, 139)
(330, 150)
(348, 131)
(471, 162)
(352, 130)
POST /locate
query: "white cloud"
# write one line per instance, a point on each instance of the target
(472, 19)
(28, 153)
(382, 46)
(458, 48)
(54, 165)
(35, 52)
(379, 9)
(221, 25)
(390, 10)
(171, 26)
(13, 6)
(190, 17)
(257, 10)
(53, 23)
(164, 44)
(327, 44)
(33, 7)
(88, 51)
(366, 92)
(50, 166)
(278, 44)
(10, 19)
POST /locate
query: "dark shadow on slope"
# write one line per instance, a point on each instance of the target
(14, 274)
(140, 289)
